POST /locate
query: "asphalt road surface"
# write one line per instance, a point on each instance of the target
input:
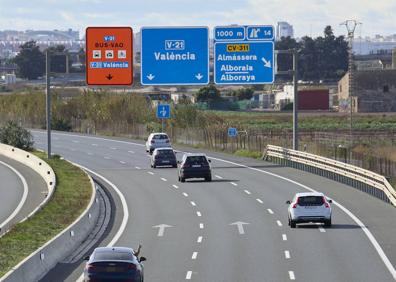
(235, 227)
(21, 191)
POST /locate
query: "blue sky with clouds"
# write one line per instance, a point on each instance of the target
(308, 17)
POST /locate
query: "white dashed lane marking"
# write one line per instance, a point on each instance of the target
(270, 211)
(137, 167)
(150, 172)
(132, 152)
(122, 162)
(193, 203)
(199, 240)
(185, 194)
(233, 183)
(194, 255)
(279, 223)
(259, 200)
(291, 275)
(218, 176)
(201, 226)
(164, 179)
(247, 192)
(287, 254)
(199, 213)
(175, 186)
(284, 237)
(188, 275)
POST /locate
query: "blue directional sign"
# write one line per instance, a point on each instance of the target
(163, 111)
(244, 55)
(174, 56)
(232, 132)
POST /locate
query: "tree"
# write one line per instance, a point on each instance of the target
(14, 135)
(244, 93)
(30, 61)
(208, 94)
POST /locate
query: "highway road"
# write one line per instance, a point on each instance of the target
(235, 227)
(21, 191)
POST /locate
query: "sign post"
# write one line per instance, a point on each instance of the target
(163, 112)
(175, 56)
(244, 55)
(109, 56)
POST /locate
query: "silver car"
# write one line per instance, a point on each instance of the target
(157, 140)
(309, 207)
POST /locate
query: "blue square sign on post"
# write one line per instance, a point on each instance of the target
(174, 56)
(232, 132)
(163, 111)
(244, 55)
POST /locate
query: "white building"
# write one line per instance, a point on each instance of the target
(284, 29)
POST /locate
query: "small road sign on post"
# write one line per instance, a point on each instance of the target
(232, 132)
(163, 112)
(109, 55)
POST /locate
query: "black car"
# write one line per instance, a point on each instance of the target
(114, 264)
(195, 166)
(163, 157)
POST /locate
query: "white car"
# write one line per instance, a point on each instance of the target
(309, 207)
(157, 140)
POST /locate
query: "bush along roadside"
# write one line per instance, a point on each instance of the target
(71, 197)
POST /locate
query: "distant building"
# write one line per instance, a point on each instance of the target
(369, 65)
(375, 91)
(284, 29)
(373, 46)
(178, 97)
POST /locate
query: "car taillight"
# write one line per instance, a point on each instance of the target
(185, 165)
(296, 204)
(326, 203)
(131, 266)
(91, 268)
(167, 141)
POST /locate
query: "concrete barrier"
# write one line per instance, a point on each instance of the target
(36, 265)
(35, 163)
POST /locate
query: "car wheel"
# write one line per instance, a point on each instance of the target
(154, 166)
(174, 166)
(327, 223)
(182, 179)
(208, 178)
(292, 224)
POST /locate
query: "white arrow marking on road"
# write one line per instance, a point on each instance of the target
(240, 226)
(199, 76)
(161, 229)
(150, 76)
(267, 64)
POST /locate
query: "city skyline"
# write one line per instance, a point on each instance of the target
(310, 20)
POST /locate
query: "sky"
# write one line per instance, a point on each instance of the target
(309, 17)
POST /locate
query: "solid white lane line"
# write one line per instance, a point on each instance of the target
(188, 275)
(150, 172)
(89, 153)
(95, 145)
(113, 148)
(75, 141)
(199, 240)
(270, 211)
(23, 199)
(164, 179)
(279, 223)
(132, 152)
(137, 167)
(291, 275)
(194, 255)
(193, 203)
(185, 194)
(284, 237)
(175, 186)
(233, 183)
(72, 149)
(201, 226)
(107, 158)
(122, 162)
(259, 200)
(287, 254)
(199, 213)
(218, 176)
(247, 192)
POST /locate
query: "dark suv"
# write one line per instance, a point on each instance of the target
(163, 157)
(195, 166)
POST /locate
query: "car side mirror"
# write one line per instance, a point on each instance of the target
(86, 258)
(142, 259)
(288, 202)
(330, 201)
(210, 161)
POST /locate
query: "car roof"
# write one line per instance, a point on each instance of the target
(159, 133)
(164, 149)
(114, 249)
(195, 155)
(306, 194)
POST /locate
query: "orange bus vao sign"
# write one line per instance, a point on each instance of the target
(109, 56)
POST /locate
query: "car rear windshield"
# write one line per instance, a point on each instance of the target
(165, 152)
(310, 201)
(111, 255)
(160, 137)
(196, 160)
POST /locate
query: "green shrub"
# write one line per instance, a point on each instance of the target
(15, 135)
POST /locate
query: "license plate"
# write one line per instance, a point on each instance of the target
(165, 162)
(111, 269)
(310, 207)
(196, 165)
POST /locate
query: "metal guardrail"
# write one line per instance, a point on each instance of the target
(362, 179)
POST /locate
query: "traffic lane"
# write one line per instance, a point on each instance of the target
(11, 191)
(37, 190)
(346, 238)
(240, 241)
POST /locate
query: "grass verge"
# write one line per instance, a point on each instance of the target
(71, 197)
(249, 154)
